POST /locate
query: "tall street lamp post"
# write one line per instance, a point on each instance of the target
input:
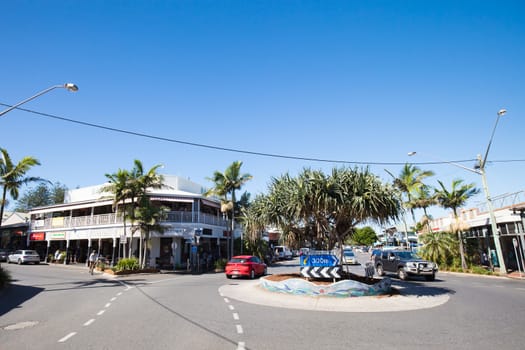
(480, 170)
(68, 86)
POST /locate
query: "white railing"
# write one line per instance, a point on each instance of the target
(110, 219)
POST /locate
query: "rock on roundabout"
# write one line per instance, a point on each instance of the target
(343, 296)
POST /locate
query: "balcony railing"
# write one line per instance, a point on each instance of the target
(183, 217)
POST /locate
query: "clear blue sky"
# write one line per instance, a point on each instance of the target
(355, 81)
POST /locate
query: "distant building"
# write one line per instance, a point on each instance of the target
(510, 220)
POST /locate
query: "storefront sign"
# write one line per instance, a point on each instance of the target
(56, 235)
(37, 236)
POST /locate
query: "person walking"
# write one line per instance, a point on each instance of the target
(93, 257)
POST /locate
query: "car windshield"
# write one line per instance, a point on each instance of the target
(407, 255)
(348, 253)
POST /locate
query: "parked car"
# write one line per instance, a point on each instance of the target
(283, 252)
(4, 253)
(24, 257)
(245, 265)
(304, 251)
(349, 257)
(405, 264)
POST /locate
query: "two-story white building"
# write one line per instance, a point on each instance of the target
(87, 221)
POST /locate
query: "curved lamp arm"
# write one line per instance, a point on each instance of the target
(69, 86)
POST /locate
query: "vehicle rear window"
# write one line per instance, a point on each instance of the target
(237, 260)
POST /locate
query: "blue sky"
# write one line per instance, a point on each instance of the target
(354, 81)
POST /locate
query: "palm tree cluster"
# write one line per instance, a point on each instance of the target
(417, 195)
(226, 184)
(322, 210)
(129, 189)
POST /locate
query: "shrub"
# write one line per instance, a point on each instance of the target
(127, 264)
(220, 263)
(5, 277)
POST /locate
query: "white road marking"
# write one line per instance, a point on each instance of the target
(100, 312)
(231, 307)
(241, 345)
(107, 305)
(239, 329)
(235, 316)
(226, 300)
(89, 322)
(119, 294)
(113, 299)
(67, 337)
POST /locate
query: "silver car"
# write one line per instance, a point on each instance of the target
(24, 257)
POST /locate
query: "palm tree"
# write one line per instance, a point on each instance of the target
(13, 176)
(409, 181)
(437, 246)
(422, 200)
(148, 218)
(453, 199)
(119, 186)
(226, 184)
(131, 186)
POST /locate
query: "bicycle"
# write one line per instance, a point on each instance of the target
(92, 265)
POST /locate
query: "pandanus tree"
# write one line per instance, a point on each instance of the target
(325, 209)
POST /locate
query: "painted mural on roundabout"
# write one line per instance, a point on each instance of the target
(343, 296)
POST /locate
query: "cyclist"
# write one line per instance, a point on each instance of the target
(92, 261)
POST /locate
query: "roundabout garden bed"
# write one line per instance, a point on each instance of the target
(349, 285)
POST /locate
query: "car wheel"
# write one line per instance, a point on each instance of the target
(252, 274)
(19, 261)
(402, 274)
(380, 271)
(430, 277)
(37, 262)
(265, 272)
(229, 276)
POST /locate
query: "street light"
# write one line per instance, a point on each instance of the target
(69, 86)
(480, 170)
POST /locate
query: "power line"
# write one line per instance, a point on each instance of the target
(219, 148)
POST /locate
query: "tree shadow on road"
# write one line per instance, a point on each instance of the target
(14, 295)
(414, 288)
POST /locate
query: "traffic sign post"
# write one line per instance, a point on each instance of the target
(320, 266)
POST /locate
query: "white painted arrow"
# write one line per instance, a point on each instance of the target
(314, 272)
(304, 271)
(325, 272)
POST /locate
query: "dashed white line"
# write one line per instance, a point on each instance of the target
(241, 345)
(67, 337)
(119, 294)
(100, 312)
(231, 307)
(235, 316)
(107, 305)
(226, 300)
(113, 299)
(239, 329)
(89, 322)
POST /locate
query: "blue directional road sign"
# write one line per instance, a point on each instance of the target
(319, 260)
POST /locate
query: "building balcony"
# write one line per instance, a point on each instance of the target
(181, 217)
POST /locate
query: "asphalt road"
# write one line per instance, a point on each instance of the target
(51, 307)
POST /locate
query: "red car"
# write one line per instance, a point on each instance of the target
(245, 265)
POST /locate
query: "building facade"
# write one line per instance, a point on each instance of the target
(475, 222)
(194, 226)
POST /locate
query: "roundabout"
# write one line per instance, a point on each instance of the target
(257, 292)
